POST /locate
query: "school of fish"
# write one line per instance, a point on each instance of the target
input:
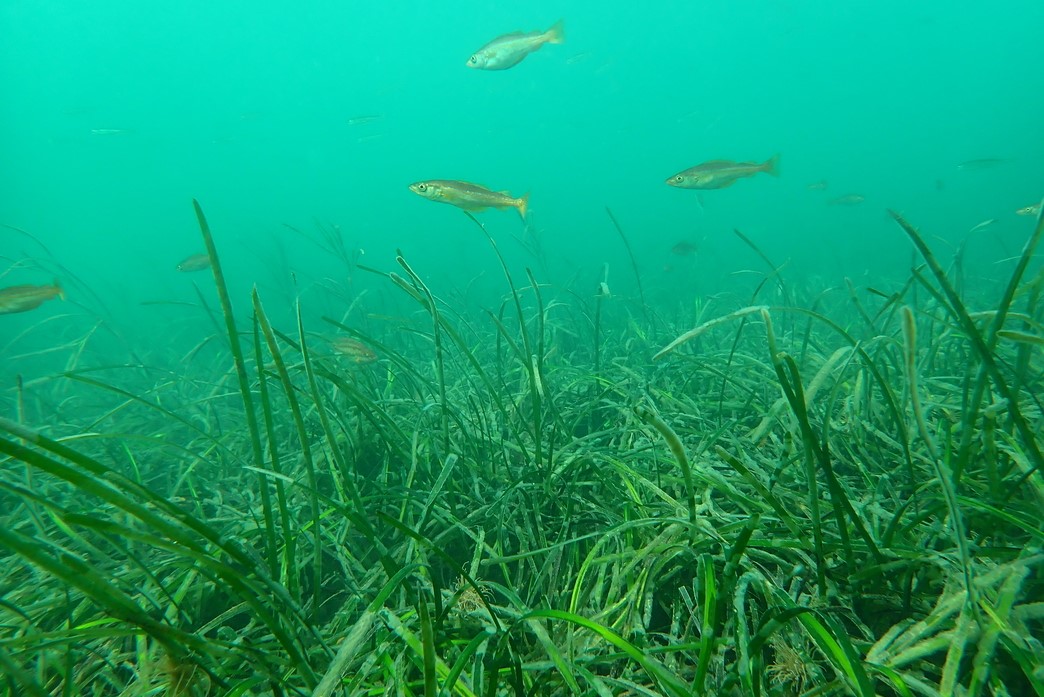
(502, 53)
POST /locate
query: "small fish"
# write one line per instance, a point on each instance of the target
(355, 350)
(847, 200)
(717, 174)
(196, 262)
(820, 185)
(981, 163)
(983, 225)
(24, 298)
(1029, 210)
(684, 249)
(363, 120)
(508, 50)
(110, 131)
(470, 197)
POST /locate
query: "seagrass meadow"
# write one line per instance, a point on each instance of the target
(786, 489)
(521, 349)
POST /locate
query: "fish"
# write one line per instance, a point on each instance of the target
(27, 297)
(717, 174)
(1029, 210)
(981, 163)
(847, 200)
(355, 350)
(110, 131)
(818, 186)
(684, 249)
(508, 50)
(196, 262)
(470, 197)
(363, 120)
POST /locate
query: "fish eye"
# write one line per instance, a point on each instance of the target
(422, 187)
(679, 178)
(474, 59)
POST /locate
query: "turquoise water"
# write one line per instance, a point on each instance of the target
(261, 112)
(841, 495)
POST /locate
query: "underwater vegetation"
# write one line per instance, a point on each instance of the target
(812, 491)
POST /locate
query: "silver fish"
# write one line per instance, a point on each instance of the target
(508, 50)
(718, 174)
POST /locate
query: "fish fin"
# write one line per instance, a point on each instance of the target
(58, 287)
(771, 165)
(522, 204)
(556, 34)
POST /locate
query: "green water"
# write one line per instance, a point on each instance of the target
(805, 484)
(245, 106)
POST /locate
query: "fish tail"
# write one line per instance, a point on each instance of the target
(522, 204)
(59, 291)
(556, 34)
(771, 165)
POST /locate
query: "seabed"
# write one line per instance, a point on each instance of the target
(810, 492)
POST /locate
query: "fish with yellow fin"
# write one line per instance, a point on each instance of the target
(27, 297)
(470, 197)
(508, 50)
